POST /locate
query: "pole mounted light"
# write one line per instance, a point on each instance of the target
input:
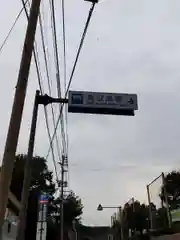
(100, 207)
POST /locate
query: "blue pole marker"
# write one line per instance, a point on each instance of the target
(43, 198)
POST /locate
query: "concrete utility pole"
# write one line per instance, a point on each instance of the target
(44, 100)
(17, 109)
(41, 229)
(121, 222)
(27, 173)
(62, 197)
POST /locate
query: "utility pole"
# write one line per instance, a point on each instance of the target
(75, 230)
(27, 173)
(17, 110)
(42, 219)
(62, 197)
(150, 209)
(121, 222)
(44, 100)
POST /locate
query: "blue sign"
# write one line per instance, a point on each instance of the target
(43, 198)
(77, 98)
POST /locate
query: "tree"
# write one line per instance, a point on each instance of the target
(162, 218)
(136, 217)
(42, 181)
(72, 211)
(72, 208)
(142, 217)
(172, 189)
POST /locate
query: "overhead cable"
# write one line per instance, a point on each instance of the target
(49, 84)
(73, 70)
(54, 33)
(65, 67)
(35, 53)
(65, 82)
(11, 29)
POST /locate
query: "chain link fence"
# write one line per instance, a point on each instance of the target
(159, 214)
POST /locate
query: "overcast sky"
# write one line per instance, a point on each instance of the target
(132, 46)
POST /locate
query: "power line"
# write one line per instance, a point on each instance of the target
(54, 34)
(35, 53)
(64, 43)
(66, 176)
(46, 37)
(73, 69)
(65, 64)
(11, 29)
(48, 78)
(80, 46)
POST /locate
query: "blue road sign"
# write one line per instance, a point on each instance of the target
(43, 198)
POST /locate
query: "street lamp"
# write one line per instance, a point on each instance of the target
(100, 208)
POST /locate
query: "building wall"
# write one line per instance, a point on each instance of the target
(10, 225)
(11, 218)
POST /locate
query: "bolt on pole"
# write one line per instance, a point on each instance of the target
(27, 173)
(17, 110)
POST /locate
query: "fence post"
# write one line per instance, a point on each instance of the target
(150, 210)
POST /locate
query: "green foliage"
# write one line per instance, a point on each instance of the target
(41, 180)
(162, 218)
(72, 208)
(172, 189)
(135, 217)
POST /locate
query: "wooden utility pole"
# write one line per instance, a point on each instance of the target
(17, 110)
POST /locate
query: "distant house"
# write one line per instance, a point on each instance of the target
(11, 218)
